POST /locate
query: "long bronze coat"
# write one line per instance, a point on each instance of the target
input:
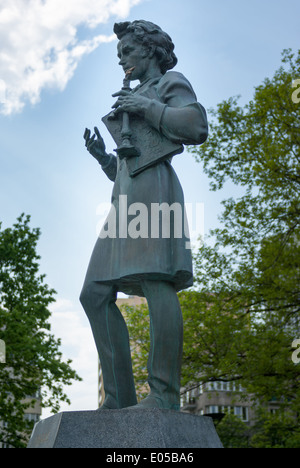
(121, 259)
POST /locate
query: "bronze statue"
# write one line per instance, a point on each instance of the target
(161, 115)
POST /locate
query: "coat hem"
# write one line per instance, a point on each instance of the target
(131, 284)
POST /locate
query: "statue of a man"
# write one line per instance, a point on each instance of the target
(155, 267)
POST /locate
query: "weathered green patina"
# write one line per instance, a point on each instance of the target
(144, 255)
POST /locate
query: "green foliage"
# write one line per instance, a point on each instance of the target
(233, 432)
(257, 147)
(252, 271)
(277, 430)
(33, 358)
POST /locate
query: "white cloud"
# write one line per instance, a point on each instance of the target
(40, 47)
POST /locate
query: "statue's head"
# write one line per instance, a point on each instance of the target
(152, 36)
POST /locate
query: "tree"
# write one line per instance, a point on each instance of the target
(33, 359)
(254, 265)
(233, 432)
(258, 147)
(277, 430)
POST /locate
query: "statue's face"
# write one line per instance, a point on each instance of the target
(133, 54)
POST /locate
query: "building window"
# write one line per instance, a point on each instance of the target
(239, 411)
(224, 387)
(32, 417)
(242, 412)
(212, 409)
(189, 397)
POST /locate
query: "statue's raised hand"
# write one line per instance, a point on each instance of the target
(95, 145)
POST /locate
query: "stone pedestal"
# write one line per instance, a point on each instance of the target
(126, 428)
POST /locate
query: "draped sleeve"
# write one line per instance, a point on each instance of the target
(110, 167)
(176, 113)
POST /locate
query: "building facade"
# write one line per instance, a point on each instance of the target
(216, 399)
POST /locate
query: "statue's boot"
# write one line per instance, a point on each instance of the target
(165, 356)
(112, 342)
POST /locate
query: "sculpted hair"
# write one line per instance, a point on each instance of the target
(149, 34)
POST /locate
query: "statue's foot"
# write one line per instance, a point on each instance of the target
(109, 403)
(155, 402)
(104, 407)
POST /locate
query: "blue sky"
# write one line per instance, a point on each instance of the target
(59, 68)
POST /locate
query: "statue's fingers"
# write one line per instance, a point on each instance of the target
(121, 93)
(118, 103)
(90, 140)
(90, 145)
(87, 134)
(118, 110)
(98, 134)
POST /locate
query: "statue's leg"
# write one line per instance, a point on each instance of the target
(166, 334)
(112, 342)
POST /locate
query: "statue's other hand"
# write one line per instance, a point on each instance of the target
(95, 144)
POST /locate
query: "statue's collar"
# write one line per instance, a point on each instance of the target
(150, 81)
